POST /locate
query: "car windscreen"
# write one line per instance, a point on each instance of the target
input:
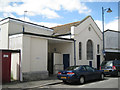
(107, 63)
(73, 68)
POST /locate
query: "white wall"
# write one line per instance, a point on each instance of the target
(58, 58)
(58, 62)
(15, 43)
(4, 36)
(17, 26)
(39, 54)
(11, 26)
(15, 66)
(34, 54)
(82, 34)
(26, 54)
(111, 41)
(63, 48)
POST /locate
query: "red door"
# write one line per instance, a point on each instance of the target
(6, 66)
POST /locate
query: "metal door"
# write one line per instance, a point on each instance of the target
(6, 66)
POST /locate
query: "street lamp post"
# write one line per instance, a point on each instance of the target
(24, 14)
(24, 20)
(109, 11)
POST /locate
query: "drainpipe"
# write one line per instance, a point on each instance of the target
(74, 52)
(20, 69)
(19, 63)
(23, 29)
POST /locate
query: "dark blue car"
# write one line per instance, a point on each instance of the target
(80, 74)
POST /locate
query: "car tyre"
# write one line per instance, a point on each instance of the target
(102, 76)
(64, 81)
(118, 73)
(82, 80)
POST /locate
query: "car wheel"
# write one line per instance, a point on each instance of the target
(82, 80)
(64, 81)
(102, 76)
(118, 73)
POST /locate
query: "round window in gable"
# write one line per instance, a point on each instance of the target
(89, 28)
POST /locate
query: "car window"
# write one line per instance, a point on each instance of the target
(88, 68)
(107, 63)
(117, 62)
(73, 68)
(83, 68)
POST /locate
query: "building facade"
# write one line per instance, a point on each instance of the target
(112, 49)
(39, 49)
(44, 50)
(88, 40)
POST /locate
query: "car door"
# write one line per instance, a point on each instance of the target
(85, 73)
(91, 73)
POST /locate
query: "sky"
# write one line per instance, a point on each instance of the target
(51, 13)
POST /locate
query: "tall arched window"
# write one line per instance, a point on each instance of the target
(89, 50)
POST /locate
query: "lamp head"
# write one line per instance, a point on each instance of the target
(109, 10)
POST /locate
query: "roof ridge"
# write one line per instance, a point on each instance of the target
(66, 24)
(73, 22)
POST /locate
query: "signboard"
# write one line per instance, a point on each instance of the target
(5, 56)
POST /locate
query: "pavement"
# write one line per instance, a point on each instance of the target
(31, 84)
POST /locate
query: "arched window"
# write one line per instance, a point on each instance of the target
(89, 50)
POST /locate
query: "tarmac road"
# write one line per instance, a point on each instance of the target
(112, 83)
(109, 82)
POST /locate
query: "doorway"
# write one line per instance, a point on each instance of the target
(90, 63)
(98, 62)
(66, 58)
(50, 63)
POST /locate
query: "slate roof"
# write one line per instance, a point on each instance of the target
(65, 29)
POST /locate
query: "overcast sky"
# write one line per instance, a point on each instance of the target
(56, 12)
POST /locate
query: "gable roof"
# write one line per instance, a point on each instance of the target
(66, 28)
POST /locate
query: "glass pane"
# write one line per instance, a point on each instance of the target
(73, 68)
(89, 50)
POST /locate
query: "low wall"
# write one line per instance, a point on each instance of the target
(29, 76)
(58, 67)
